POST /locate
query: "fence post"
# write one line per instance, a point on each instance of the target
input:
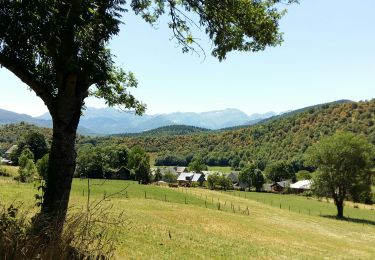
(83, 192)
(185, 200)
(165, 197)
(280, 205)
(145, 195)
(126, 194)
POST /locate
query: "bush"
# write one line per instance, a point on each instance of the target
(85, 236)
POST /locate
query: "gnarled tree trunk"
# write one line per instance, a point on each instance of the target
(65, 112)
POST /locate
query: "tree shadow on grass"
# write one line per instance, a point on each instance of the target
(353, 220)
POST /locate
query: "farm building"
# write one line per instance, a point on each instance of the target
(301, 186)
(280, 186)
(186, 178)
(9, 152)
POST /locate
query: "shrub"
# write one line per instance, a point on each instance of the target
(85, 236)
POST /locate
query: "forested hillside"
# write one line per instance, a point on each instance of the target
(285, 138)
(282, 138)
(168, 131)
(9, 134)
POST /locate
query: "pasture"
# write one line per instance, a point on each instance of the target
(167, 223)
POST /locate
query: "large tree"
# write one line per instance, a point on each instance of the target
(60, 50)
(343, 163)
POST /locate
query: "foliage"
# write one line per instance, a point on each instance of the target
(216, 180)
(258, 180)
(170, 160)
(158, 176)
(168, 131)
(279, 171)
(282, 138)
(34, 141)
(343, 164)
(246, 175)
(27, 169)
(102, 161)
(86, 236)
(139, 161)
(12, 133)
(303, 175)
(251, 176)
(197, 165)
(224, 182)
(169, 177)
(212, 180)
(27, 173)
(42, 166)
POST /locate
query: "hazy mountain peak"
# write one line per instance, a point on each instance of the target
(114, 121)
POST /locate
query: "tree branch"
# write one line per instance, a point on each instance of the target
(26, 77)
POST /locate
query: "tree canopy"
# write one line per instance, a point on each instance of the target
(343, 164)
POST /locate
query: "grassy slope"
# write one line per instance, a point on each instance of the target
(200, 232)
(223, 169)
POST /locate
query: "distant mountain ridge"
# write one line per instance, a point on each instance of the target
(112, 121)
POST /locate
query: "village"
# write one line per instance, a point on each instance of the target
(186, 178)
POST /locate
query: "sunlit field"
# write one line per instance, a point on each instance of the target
(163, 222)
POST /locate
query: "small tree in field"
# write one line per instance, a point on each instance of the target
(343, 164)
(27, 168)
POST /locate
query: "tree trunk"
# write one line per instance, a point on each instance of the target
(62, 162)
(340, 209)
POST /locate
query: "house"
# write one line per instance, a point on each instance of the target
(5, 161)
(9, 152)
(301, 186)
(198, 177)
(186, 178)
(280, 186)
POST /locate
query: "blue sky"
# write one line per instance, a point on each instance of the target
(328, 54)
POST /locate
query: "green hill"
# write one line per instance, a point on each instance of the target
(10, 133)
(282, 138)
(170, 130)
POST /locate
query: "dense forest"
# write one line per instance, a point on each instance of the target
(281, 138)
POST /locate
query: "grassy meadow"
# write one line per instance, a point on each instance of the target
(223, 169)
(167, 223)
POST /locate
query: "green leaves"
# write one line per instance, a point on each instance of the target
(243, 25)
(343, 164)
(114, 90)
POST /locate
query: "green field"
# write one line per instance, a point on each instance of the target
(220, 169)
(166, 223)
(9, 170)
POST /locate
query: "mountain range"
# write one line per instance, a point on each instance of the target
(103, 121)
